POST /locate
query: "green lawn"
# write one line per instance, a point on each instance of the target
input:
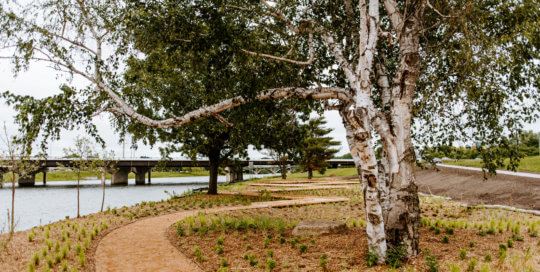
(531, 164)
(338, 172)
(69, 175)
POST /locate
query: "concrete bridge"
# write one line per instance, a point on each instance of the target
(143, 168)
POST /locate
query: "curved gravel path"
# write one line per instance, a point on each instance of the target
(143, 245)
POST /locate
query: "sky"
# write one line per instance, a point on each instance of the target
(41, 81)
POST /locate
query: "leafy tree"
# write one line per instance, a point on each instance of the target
(282, 134)
(435, 71)
(175, 77)
(84, 159)
(316, 146)
(16, 161)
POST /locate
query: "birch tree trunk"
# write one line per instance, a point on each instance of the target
(363, 154)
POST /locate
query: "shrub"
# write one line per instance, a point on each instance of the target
(282, 240)
(446, 240)
(35, 260)
(372, 259)
(82, 259)
(270, 264)
(471, 244)
(323, 260)
(437, 231)
(224, 262)
(31, 236)
(517, 237)
(248, 247)
(303, 248)
(463, 254)
(180, 230)
(266, 242)
(198, 254)
(395, 255)
(510, 243)
(472, 264)
(270, 253)
(449, 231)
(252, 260)
(488, 258)
(49, 262)
(220, 241)
(219, 249)
(431, 261)
(31, 267)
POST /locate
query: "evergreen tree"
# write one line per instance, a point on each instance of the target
(316, 146)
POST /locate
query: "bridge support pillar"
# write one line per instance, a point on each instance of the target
(1, 179)
(120, 176)
(45, 176)
(150, 175)
(27, 180)
(234, 174)
(140, 174)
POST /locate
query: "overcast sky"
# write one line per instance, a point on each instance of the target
(41, 81)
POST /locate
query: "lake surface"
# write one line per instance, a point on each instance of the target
(40, 205)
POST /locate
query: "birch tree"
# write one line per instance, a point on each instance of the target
(449, 69)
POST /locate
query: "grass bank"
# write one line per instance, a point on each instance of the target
(70, 175)
(531, 164)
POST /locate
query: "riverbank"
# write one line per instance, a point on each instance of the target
(72, 176)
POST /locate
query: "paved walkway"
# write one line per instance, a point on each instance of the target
(502, 172)
(143, 245)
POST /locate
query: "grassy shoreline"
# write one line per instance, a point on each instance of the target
(72, 176)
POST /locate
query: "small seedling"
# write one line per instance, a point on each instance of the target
(224, 262)
(282, 240)
(471, 244)
(431, 261)
(219, 249)
(463, 254)
(323, 260)
(198, 254)
(488, 258)
(270, 264)
(252, 260)
(510, 243)
(472, 264)
(446, 240)
(270, 253)
(303, 248)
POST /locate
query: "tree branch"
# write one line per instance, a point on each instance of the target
(283, 59)
(393, 13)
(437, 11)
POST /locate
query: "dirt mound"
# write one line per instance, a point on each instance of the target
(470, 186)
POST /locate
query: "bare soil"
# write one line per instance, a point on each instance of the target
(470, 187)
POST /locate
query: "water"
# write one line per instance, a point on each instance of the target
(40, 205)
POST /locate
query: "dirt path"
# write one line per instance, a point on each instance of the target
(143, 245)
(469, 186)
